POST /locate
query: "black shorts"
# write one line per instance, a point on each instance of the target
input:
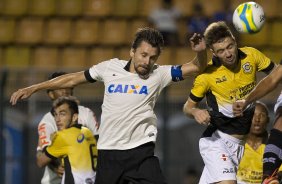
(137, 165)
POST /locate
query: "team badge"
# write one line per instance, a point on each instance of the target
(247, 67)
(80, 138)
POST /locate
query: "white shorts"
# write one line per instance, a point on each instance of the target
(278, 103)
(221, 154)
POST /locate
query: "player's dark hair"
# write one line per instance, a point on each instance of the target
(216, 32)
(54, 75)
(71, 101)
(149, 35)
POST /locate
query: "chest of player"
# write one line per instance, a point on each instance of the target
(233, 84)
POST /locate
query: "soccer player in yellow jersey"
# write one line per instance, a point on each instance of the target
(231, 75)
(250, 167)
(73, 143)
(272, 158)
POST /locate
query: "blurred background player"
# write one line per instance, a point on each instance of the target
(272, 155)
(230, 75)
(73, 143)
(165, 20)
(47, 126)
(250, 167)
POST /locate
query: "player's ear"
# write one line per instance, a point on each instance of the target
(51, 95)
(132, 51)
(75, 117)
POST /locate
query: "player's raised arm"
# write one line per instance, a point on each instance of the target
(64, 81)
(271, 81)
(199, 63)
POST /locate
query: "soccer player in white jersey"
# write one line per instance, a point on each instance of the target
(272, 157)
(47, 126)
(128, 129)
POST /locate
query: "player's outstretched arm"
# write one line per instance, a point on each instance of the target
(64, 81)
(271, 81)
(199, 63)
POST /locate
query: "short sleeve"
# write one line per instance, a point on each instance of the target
(58, 148)
(199, 88)
(96, 72)
(46, 127)
(87, 118)
(262, 61)
(165, 75)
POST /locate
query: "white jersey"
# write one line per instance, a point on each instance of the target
(47, 127)
(128, 119)
(278, 103)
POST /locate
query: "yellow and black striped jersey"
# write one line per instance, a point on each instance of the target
(222, 86)
(77, 146)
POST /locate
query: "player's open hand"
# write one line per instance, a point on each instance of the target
(197, 42)
(238, 108)
(21, 94)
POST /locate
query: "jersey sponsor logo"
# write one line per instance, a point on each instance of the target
(226, 170)
(80, 138)
(247, 67)
(42, 135)
(129, 89)
(224, 157)
(220, 80)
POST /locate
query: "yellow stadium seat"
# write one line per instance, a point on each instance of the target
(258, 39)
(7, 30)
(275, 54)
(42, 7)
(15, 7)
(17, 57)
(125, 8)
(182, 31)
(123, 53)
(114, 32)
(133, 27)
(99, 8)
(58, 31)
(147, 6)
(74, 58)
(166, 57)
(85, 32)
(183, 55)
(184, 6)
(29, 31)
(211, 7)
(46, 57)
(100, 54)
(69, 7)
(276, 38)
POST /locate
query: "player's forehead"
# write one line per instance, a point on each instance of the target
(62, 108)
(223, 43)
